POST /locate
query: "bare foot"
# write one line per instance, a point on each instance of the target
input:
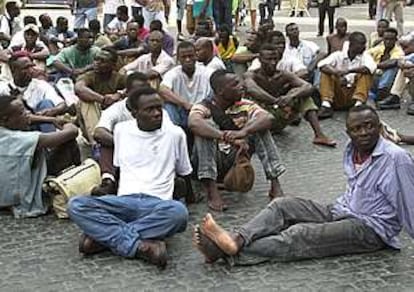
(324, 141)
(218, 235)
(207, 247)
(215, 202)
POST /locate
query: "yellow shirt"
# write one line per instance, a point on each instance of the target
(378, 51)
(227, 53)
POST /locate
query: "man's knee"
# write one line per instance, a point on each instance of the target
(77, 205)
(178, 214)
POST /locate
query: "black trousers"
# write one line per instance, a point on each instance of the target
(323, 9)
(372, 8)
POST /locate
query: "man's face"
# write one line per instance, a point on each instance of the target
(132, 30)
(234, 89)
(103, 63)
(155, 41)
(22, 71)
(149, 112)
(364, 130)
(30, 37)
(203, 51)
(357, 47)
(62, 25)
(223, 35)
(85, 41)
(341, 27)
(14, 10)
(293, 32)
(381, 27)
(268, 61)
(407, 46)
(16, 118)
(187, 58)
(280, 44)
(251, 42)
(389, 40)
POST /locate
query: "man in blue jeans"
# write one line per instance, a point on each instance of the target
(84, 10)
(375, 207)
(149, 154)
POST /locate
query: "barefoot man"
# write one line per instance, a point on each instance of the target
(377, 205)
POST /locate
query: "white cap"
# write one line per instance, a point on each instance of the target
(32, 27)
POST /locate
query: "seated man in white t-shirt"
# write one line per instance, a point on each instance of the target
(205, 54)
(103, 134)
(185, 85)
(149, 153)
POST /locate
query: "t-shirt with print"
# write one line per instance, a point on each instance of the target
(115, 83)
(241, 112)
(149, 161)
(192, 90)
(77, 59)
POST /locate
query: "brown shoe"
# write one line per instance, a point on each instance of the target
(153, 251)
(88, 246)
(107, 187)
(325, 112)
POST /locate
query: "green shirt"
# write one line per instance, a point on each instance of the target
(76, 59)
(115, 83)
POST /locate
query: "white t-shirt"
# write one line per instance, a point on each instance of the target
(35, 92)
(306, 51)
(110, 6)
(292, 65)
(149, 161)
(215, 64)
(192, 90)
(117, 113)
(144, 64)
(117, 25)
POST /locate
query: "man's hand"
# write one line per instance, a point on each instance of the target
(242, 145)
(110, 99)
(69, 126)
(59, 122)
(341, 72)
(187, 106)
(231, 136)
(284, 100)
(77, 72)
(46, 112)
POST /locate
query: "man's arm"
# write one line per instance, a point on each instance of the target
(134, 52)
(54, 139)
(170, 96)
(243, 58)
(201, 127)
(104, 136)
(256, 92)
(62, 67)
(87, 94)
(59, 109)
(41, 55)
(392, 63)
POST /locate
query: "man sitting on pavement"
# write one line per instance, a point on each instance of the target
(231, 119)
(406, 71)
(339, 40)
(23, 155)
(346, 77)
(9, 22)
(118, 26)
(38, 96)
(154, 64)
(129, 46)
(149, 153)
(167, 40)
(368, 217)
(244, 55)
(283, 94)
(60, 36)
(97, 90)
(376, 37)
(103, 134)
(100, 40)
(386, 55)
(205, 54)
(185, 85)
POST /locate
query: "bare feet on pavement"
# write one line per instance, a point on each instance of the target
(206, 246)
(324, 141)
(218, 235)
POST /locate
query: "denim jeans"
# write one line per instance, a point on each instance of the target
(222, 13)
(383, 81)
(122, 222)
(208, 166)
(45, 127)
(178, 115)
(83, 14)
(294, 229)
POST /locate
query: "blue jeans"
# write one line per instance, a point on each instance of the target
(83, 14)
(45, 127)
(178, 115)
(122, 222)
(383, 81)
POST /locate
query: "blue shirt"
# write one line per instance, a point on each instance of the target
(381, 192)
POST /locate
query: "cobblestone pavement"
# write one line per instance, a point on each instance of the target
(41, 254)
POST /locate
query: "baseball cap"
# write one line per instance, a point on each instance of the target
(32, 27)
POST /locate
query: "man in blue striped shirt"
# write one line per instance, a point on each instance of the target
(377, 204)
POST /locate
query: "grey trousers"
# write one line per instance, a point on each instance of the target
(211, 164)
(291, 229)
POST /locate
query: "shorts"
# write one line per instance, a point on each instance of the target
(252, 5)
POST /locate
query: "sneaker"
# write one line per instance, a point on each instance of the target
(107, 187)
(153, 251)
(390, 102)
